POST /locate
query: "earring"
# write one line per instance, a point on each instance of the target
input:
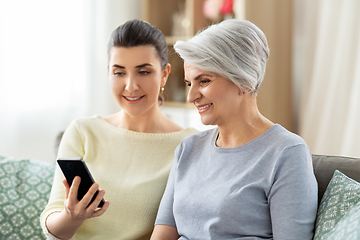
(162, 90)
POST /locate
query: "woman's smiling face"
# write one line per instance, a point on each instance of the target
(214, 96)
(136, 77)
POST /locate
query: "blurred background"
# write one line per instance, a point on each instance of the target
(53, 66)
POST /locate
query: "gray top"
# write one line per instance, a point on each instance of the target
(265, 189)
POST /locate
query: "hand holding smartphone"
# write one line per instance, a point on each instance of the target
(72, 167)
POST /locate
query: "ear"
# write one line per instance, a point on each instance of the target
(165, 74)
(243, 90)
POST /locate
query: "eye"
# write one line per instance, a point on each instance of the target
(119, 73)
(204, 81)
(187, 83)
(144, 72)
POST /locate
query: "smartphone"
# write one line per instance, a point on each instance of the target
(72, 167)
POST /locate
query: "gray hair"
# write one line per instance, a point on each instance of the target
(235, 49)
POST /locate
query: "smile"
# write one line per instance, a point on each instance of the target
(132, 98)
(203, 108)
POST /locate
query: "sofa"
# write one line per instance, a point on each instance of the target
(25, 187)
(338, 215)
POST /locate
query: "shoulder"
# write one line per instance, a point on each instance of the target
(280, 145)
(82, 125)
(289, 147)
(170, 139)
(198, 136)
(197, 141)
(282, 137)
(85, 122)
(188, 131)
(194, 146)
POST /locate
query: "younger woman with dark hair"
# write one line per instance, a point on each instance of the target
(129, 153)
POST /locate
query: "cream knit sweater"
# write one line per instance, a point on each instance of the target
(131, 167)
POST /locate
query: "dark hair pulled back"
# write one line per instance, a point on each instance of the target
(135, 33)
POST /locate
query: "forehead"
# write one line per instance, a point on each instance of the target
(133, 55)
(192, 72)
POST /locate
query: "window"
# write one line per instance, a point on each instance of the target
(41, 54)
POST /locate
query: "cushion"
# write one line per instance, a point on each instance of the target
(324, 167)
(348, 228)
(340, 196)
(25, 187)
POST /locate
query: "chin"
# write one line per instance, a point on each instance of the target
(207, 122)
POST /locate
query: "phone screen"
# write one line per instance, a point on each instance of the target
(72, 167)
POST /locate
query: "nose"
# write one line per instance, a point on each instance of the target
(193, 94)
(131, 84)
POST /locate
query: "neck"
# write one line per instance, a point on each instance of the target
(148, 124)
(247, 124)
(152, 122)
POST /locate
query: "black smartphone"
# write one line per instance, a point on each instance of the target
(72, 167)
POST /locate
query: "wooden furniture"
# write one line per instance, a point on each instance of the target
(275, 98)
(177, 20)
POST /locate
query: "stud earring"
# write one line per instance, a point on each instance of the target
(162, 90)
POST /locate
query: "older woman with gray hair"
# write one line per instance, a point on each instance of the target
(248, 178)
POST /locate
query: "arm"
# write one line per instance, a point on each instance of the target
(164, 232)
(64, 224)
(293, 196)
(165, 223)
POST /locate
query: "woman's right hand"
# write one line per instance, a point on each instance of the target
(64, 224)
(81, 209)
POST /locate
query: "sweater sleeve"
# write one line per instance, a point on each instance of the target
(72, 143)
(293, 195)
(71, 146)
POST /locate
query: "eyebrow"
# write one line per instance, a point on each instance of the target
(138, 66)
(200, 76)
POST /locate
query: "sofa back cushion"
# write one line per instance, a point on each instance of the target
(325, 166)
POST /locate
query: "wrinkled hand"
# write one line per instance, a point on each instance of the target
(81, 210)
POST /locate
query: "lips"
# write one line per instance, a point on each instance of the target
(132, 99)
(203, 108)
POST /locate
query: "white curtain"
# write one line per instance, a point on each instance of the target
(327, 70)
(53, 68)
